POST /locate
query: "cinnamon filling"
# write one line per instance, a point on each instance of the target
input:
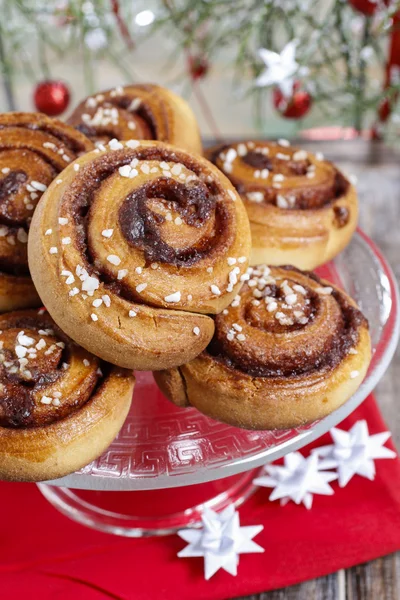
(139, 123)
(342, 216)
(143, 129)
(141, 227)
(13, 220)
(36, 359)
(143, 223)
(10, 185)
(304, 198)
(257, 160)
(260, 161)
(259, 317)
(320, 196)
(143, 116)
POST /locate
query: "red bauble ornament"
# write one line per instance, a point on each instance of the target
(384, 110)
(198, 67)
(294, 107)
(367, 7)
(51, 97)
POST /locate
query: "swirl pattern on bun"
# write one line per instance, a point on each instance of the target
(135, 247)
(33, 151)
(60, 406)
(290, 349)
(302, 209)
(143, 112)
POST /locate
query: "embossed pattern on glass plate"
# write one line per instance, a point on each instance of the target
(161, 445)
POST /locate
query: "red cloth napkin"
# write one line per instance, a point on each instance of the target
(44, 554)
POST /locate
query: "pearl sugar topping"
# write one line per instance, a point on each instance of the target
(287, 302)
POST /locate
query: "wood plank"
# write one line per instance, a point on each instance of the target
(324, 588)
(377, 580)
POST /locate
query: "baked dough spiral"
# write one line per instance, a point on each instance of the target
(142, 112)
(60, 407)
(33, 150)
(133, 249)
(302, 209)
(289, 350)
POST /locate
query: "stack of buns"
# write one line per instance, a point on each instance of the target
(147, 255)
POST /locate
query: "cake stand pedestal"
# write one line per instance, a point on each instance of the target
(168, 463)
(149, 512)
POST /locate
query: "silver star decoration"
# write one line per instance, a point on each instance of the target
(220, 541)
(280, 68)
(353, 452)
(298, 479)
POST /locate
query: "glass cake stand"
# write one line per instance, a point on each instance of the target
(167, 463)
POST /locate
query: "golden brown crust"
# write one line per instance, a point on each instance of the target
(143, 112)
(17, 292)
(302, 209)
(288, 368)
(34, 149)
(71, 410)
(167, 247)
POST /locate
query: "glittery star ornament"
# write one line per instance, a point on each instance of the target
(220, 541)
(297, 480)
(280, 68)
(353, 452)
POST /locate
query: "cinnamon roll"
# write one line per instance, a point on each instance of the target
(302, 209)
(60, 407)
(33, 150)
(141, 112)
(290, 349)
(134, 246)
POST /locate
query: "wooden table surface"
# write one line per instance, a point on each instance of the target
(378, 172)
